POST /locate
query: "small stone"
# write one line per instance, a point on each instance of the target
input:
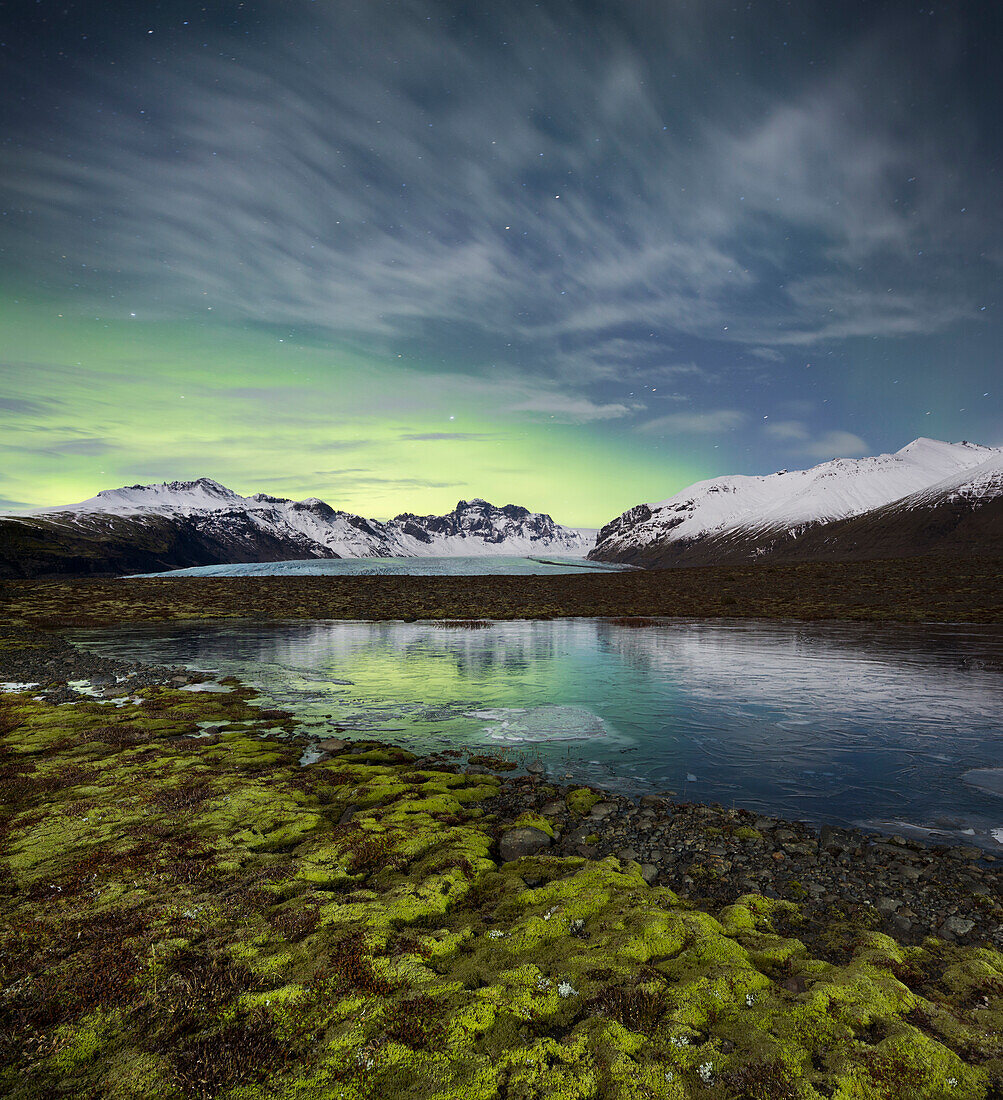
(627, 854)
(603, 809)
(957, 926)
(333, 744)
(536, 768)
(649, 872)
(552, 809)
(887, 905)
(476, 769)
(524, 841)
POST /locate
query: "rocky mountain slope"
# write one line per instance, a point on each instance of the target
(144, 528)
(929, 497)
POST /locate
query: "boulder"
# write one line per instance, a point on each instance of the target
(522, 841)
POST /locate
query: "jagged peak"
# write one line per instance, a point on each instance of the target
(206, 484)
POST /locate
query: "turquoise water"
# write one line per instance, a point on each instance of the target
(484, 565)
(833, 722)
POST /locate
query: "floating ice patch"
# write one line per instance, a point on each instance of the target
(311, 755)
(84, 687)
(13, 685)
(989, 780)
(546, 723)
(219, 688)
(998, 835)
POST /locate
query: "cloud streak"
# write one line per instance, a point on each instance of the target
(561, 213)
(711, 422)
(395, 180)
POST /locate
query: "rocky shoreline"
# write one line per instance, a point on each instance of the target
(707, 854)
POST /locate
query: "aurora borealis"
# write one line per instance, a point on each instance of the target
(566, 255)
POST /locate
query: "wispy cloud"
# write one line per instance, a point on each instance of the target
(824, 444)
(21, 407)
(366, 174)
(695, 423)
(431, 437)
(82, 447)
(574, 409)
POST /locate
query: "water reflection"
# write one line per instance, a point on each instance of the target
(836, 722)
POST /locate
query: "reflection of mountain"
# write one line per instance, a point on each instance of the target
(512, 648)
(819, 670)
(393, 652)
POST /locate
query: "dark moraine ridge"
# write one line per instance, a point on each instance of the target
(931, 589)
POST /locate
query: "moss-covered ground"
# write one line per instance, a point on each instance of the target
(193, 915)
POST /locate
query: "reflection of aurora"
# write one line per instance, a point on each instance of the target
(826, 721)
(791, 666)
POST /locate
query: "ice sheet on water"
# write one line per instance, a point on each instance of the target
(989, 780)
(544, 723)
(448, 566)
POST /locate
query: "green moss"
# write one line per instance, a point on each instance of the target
(581, 800)
(535, 821)
(77, 1044)
(199, 915)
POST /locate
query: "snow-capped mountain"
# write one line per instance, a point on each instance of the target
(878, 506)
(184, 523)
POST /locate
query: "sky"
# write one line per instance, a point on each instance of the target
(568, 255)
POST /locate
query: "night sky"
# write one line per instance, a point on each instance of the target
(567, 255)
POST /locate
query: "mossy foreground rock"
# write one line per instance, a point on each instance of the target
(190, 916)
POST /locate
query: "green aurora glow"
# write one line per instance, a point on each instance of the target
(104, 401)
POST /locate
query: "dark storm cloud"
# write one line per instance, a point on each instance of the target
(563, 185)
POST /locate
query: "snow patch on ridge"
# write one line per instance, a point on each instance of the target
(315, 529)
(791, 500)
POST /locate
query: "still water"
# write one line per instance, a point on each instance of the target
(845, 723)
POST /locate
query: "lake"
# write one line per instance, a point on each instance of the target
(474, 566)
(872, 725)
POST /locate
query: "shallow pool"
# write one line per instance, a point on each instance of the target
(838, 722)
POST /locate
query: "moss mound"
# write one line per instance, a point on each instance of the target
(197, 916)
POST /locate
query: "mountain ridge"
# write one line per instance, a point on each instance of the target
(177, 524)
(929, 496)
